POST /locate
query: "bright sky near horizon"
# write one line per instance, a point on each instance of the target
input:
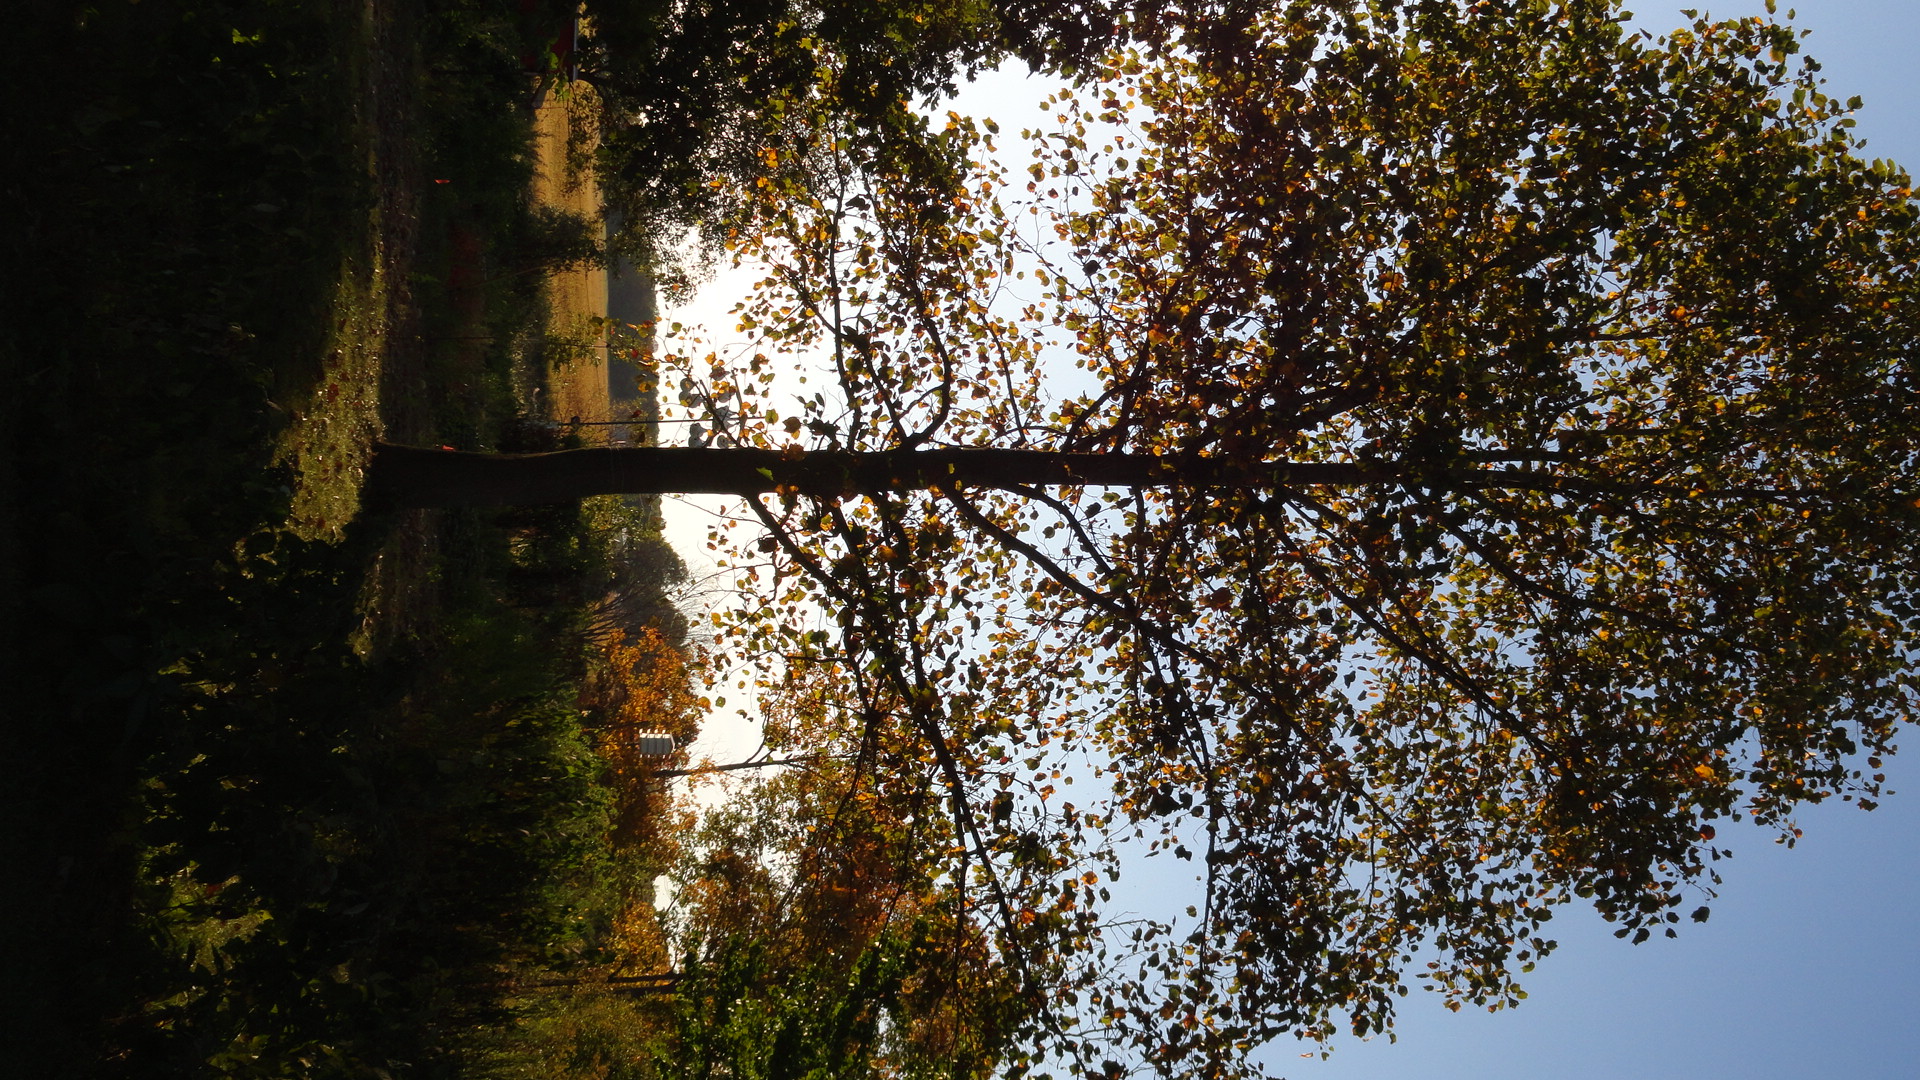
(1810, 965)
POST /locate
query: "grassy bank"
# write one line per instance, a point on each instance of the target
(293, 789)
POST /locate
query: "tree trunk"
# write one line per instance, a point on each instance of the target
(412, 476)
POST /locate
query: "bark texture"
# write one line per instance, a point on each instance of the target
(412, 476)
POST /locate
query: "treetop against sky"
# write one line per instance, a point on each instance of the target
(1528, 410)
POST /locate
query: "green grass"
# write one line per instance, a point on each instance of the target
(183, 208)
(333, 421)
(289, 785)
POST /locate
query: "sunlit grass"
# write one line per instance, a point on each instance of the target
(330, 433)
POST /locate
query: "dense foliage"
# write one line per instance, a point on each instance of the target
(706, 102)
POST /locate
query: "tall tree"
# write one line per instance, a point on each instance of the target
(1424, 463)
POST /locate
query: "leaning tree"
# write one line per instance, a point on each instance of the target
(1413, 464)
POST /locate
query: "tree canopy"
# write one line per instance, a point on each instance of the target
(703, 99)
(706, 101)
(1526, 422)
